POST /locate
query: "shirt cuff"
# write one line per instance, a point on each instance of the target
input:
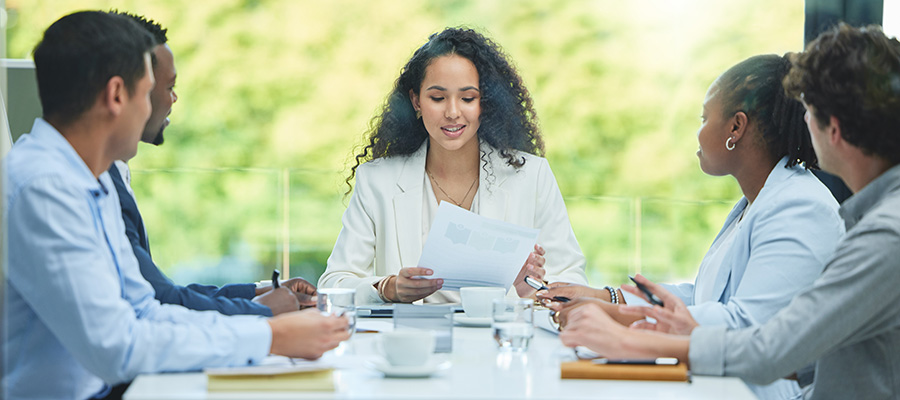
(707, 350)
(245, 290)
(366, 292)
(255, 337)
(633, 300)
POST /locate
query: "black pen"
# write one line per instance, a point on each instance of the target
(632, 361)
(540, 286)
(275, 274)
(650, 296)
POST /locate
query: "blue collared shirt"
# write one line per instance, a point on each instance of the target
(79, 314)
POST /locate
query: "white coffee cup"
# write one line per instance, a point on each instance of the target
(477, 301)
(408, 348)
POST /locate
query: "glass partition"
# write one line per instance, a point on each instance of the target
(219, 226)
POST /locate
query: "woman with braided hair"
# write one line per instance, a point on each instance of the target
(458, 126)
(777, 238)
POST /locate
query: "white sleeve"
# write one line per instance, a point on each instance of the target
(352, 262)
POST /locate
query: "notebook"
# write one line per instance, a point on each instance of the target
(585, 369)
(296, 376)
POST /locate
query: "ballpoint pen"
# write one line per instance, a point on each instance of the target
(634, 361)
(650, 296)
(540, 286)
(275, 275)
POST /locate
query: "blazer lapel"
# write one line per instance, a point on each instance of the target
(723, 276)
(408, 208)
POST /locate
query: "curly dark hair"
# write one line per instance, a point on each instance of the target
(753, 86)
(853, 74)
(508, 122)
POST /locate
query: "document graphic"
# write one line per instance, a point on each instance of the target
(466, 249)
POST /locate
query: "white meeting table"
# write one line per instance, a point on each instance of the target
(478, 370)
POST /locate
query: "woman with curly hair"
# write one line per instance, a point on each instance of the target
(458, 126)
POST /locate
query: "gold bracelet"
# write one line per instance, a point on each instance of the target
(380, 288)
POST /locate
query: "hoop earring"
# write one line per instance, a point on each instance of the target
(418, 114)
(728, 145)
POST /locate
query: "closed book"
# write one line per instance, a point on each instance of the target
(585, 369)
(267, 378)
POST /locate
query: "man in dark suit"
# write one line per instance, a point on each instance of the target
(229, 299)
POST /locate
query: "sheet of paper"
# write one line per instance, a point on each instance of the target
(466, 249)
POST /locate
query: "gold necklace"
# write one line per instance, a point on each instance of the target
(459, 204)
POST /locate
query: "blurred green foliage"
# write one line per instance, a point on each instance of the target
(274, 96)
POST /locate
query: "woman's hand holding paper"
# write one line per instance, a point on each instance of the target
(410, 285)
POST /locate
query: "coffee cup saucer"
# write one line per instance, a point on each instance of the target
(433, 365)
(472, 321)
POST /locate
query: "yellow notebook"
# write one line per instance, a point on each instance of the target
(269, 378)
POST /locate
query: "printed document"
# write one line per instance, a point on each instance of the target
(466, 249)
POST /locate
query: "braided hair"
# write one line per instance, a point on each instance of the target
(754, 87)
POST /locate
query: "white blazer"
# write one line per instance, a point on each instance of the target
(382, 226)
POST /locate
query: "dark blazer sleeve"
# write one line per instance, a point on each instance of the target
(208, 298)
(232, 290)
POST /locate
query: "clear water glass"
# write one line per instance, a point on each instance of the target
(513, 323)
(338, 301)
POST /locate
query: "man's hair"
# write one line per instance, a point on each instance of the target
(80, 53)
(152, 27)
(853, 74)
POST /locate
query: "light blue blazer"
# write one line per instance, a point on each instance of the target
(780, 248)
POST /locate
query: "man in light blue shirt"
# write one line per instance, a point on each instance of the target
(80, 317)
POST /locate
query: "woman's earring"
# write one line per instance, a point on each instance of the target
(729, 145)
(418, 114)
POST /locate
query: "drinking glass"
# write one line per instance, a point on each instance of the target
(513, 323)
(338, 301)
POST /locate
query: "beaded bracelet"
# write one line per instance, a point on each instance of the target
(613, 296)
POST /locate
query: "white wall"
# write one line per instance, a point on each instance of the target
(891, 22)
